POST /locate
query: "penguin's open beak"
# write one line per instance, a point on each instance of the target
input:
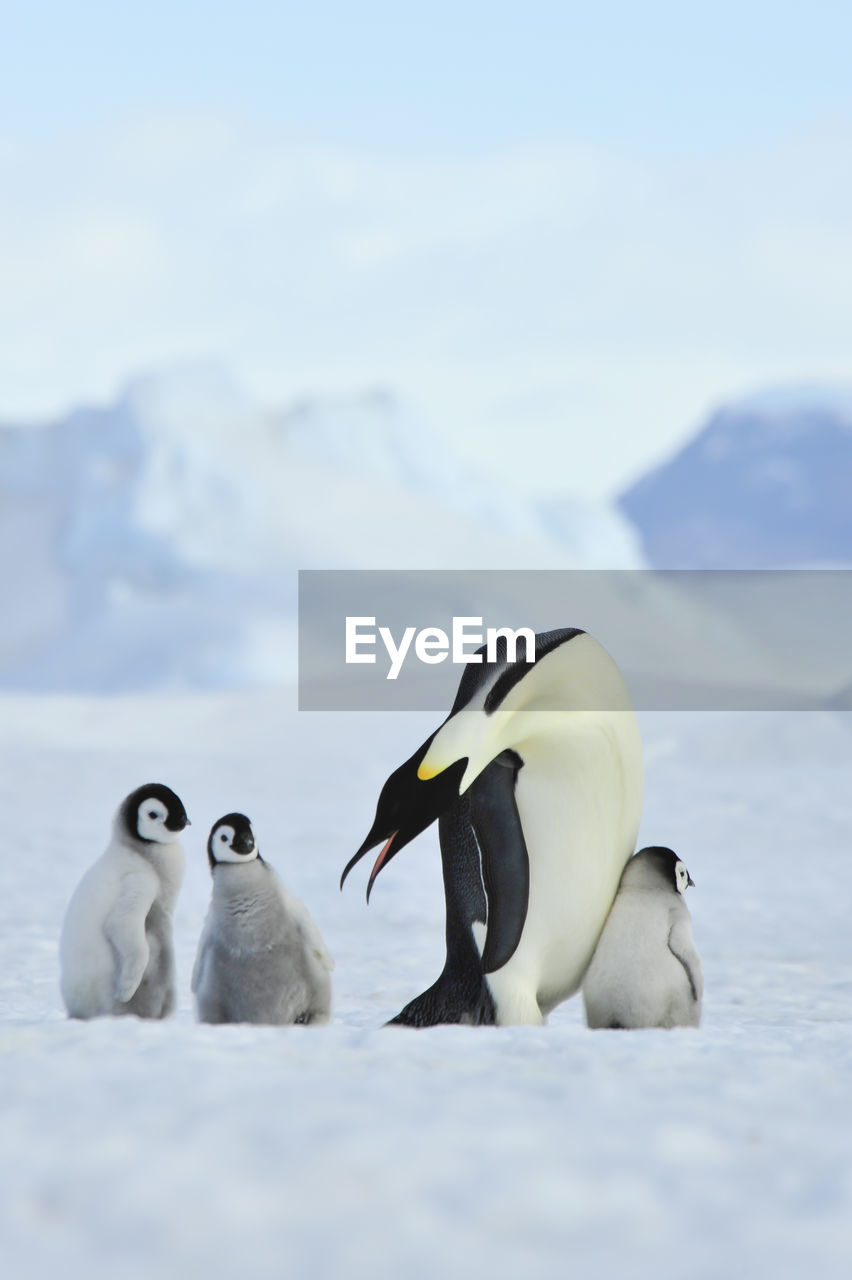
(387, 851)
(380, 862)
(407, 805)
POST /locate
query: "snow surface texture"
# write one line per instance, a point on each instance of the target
(155, 542)
(765, 484)
(134, 1149)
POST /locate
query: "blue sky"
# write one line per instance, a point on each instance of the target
(445, 76)
(585, 224)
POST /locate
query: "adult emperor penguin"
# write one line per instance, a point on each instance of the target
(536, 778)
(116, 951)
(260, 957)
(646, 971)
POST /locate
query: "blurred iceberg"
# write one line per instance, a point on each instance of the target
(155, 542)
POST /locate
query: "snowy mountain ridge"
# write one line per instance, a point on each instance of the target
(764, 484)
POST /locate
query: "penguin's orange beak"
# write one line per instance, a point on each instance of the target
(380, 861)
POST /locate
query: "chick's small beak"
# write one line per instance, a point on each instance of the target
(690, 883)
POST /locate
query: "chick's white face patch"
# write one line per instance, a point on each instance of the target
(681, 877)
(221, 846)
(151, 822)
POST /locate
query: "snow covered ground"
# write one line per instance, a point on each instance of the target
(133, 1150)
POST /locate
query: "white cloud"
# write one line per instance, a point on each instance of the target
(567, 311)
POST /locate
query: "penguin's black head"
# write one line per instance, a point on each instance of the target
(407, 805)
(231, 840)
(668, 865)
(153, 814)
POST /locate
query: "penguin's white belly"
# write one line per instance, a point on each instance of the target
(239, 985)
(254, 964)
(579, 801)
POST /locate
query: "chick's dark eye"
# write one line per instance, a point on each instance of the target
(224, 839)
(152, 813)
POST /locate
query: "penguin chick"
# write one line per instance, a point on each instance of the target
(260, 957)
(645, 971)
(116, 951)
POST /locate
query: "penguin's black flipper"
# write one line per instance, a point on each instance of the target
(503, 854)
